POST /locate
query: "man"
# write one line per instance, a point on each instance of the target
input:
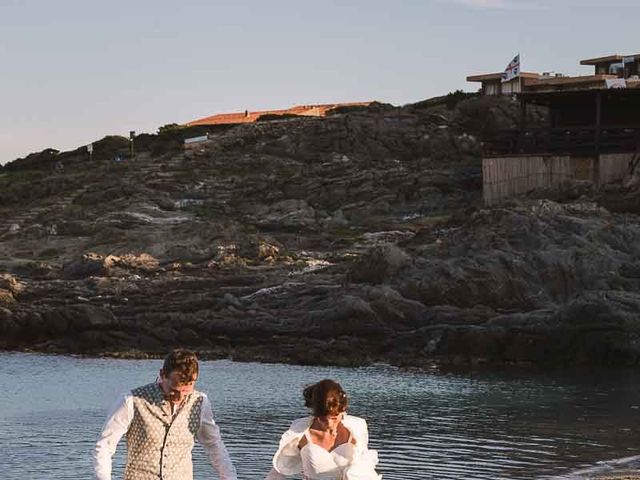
(161, 421)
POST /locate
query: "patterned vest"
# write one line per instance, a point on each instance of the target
(158, 444)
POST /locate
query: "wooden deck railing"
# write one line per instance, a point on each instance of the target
(564, 140)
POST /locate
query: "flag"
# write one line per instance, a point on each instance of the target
(513, 69)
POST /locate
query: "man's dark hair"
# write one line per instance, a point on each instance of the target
(182, 361)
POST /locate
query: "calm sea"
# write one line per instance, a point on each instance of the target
(425, 426)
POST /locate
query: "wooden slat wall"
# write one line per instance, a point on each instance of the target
(505, 177)
(614, 167)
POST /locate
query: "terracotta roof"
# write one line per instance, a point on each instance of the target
(607, 59)
(484, 77)
(250, 117)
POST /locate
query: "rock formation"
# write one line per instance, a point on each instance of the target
(355, 238)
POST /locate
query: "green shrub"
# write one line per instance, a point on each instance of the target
(169, 128)
(449, 101)
(43, 160)
(485, 116)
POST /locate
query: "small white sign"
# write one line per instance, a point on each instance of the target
(616, 83)
(629, 59)
(90, 148)
(188, 141)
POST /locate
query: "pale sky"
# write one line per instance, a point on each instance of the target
(74, 71)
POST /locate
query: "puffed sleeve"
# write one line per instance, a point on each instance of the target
(364, 464)
(287, 461)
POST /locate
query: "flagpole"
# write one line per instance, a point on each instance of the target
(520, 71)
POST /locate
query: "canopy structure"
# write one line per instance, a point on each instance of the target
(581, 121)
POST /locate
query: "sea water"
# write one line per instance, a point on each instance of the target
(424, 425)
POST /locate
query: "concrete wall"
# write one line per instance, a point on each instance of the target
(497, 87)
(492, 88)
(508, 177)
(512, 86)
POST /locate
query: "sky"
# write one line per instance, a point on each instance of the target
(73, 71)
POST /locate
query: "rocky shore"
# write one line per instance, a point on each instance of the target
(352, 239)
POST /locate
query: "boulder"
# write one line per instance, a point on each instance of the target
(90, 264)
(395, 309)
(144, 262)
(94, 264)
(260, 248)
(6, 298)
(287, 213)
(10, 283)
(79, 318)
(379, 264)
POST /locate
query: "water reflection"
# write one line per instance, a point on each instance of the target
(482, 426)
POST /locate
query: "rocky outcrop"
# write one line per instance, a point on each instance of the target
(94, 264)
(10, 284)
(356, 238)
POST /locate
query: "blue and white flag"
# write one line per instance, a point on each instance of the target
(513, 69)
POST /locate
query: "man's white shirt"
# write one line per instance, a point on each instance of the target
(118, 423)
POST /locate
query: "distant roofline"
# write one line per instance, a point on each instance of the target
(483, 77)
(607, 59)
(252, 116)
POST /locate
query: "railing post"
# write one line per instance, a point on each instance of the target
(523, 122)
(598, 120)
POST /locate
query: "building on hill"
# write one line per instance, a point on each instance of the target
(250, 117)
(625, 66)
(492, 84)
(608, 68)
(593, 131)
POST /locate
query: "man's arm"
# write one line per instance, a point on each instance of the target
(114, 428)
(209, 437)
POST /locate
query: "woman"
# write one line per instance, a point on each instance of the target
(329, 445)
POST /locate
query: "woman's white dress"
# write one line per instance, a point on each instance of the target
(346, 462)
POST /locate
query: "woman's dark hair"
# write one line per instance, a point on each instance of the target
(325, 398)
